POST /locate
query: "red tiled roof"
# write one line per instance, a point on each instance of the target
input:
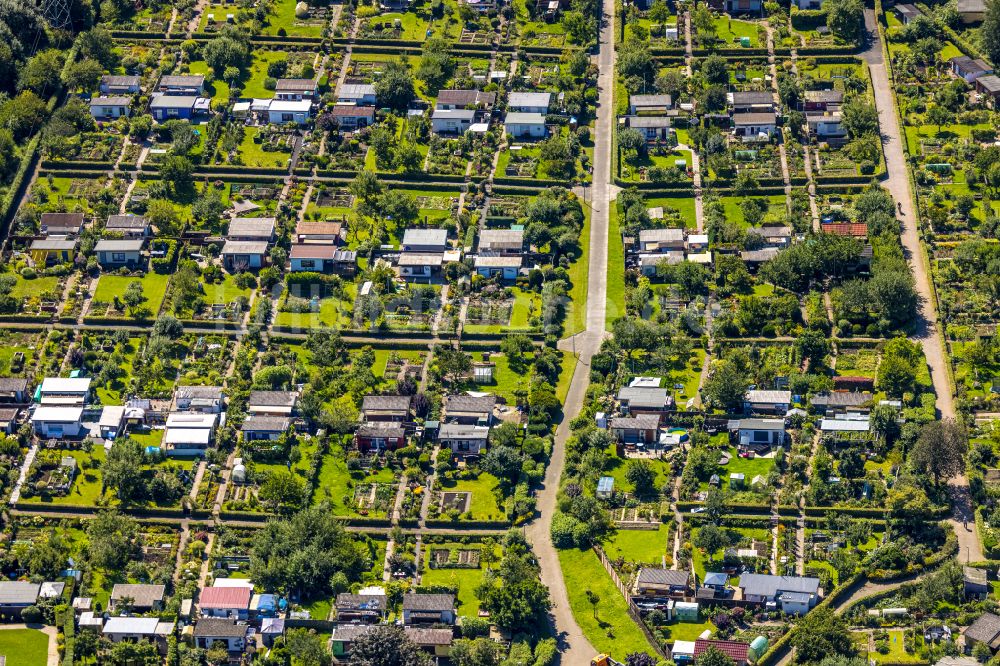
(224, 597)
(855, 229)
(732, 649)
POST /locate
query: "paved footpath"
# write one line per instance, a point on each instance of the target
(928, 331)
(574, 646)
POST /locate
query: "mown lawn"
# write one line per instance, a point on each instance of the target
(576, 311)
(254, 155)
(336, 484)
(154, 287)
(24, 647)
(616, 270)
(224, 292)
(610, 630)
(646, 546)
(483, 504)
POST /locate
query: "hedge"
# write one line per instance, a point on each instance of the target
(19, 183)
(74, 164)
(867, 512)
(468, 524)
(807, 19)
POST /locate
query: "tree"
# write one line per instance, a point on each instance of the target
(127, 653)
(713, 656)
(813, 345)
(230, 49)
(642, 477)
(859, 118)
(436, 64)
(726, 385)
(937, 115)
(845, 18)
(112, 540)
(282, 490)
(477, 652)
(162, 215)
(715, 69)
(504, 463)
(820, 633)
(302, 553)
(122, 472)
(307, 648)
(82, 75)
(394, 89)
(514, 596)
(177, 170)
(134, 299)
(715, 504)
(41, 73)
(635, 64)
(630, 138)
(940, 450)
(387, 645)
(710, 539)
(990, 36)
(453, 364)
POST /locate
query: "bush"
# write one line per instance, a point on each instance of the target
(563, 530)
(31, 615)
(270, 83)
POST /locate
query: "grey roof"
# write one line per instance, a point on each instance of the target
(10, 384)
(462, 431)
(754, 118)
(272, 398)
(469, 404)
(420, 259)
(428, 636)
(985, 629)
(907, 10)
(260, 423)
(764, 585)
(435, 237)
(345, 633)
(143, 596)
(649, 100)
(142, 626)
(715, 578)
(182, 80)
(975, 576)
(970, 6)
(774, 397)
(661, 235)
(518, 118)
(666, 577)
(74, 220)
(294, 85)
(501, 238)
(638, 422)
(126, 222)
(53, 244)
(173, 102)
(370, 602)
(15, 593)
(386, 403)
(648, 122)
(466, 98)
(989, 82)
(757, 256)
(251, 227)
(380, 430)
(827, 96)
(529, 99)
(644, 396)
(110, 101)
(762, 424)
(119, 80)
(486, 261)
(212, 627)
(795, 597)
(458, 114)
(244, 247)
(752, 97)
(842, 399)
(429, 602)
(119, 245)
(356, 90)
(204, 392)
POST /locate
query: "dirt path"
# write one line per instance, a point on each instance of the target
(574, 647)
(927, 332)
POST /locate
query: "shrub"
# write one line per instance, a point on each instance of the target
(31, 615)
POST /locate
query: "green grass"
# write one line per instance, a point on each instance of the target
(24, 647)
(897, 654)
(616, 270)
(218, 89)
(86, 488)
(413, 27)
(576, 312)
(335, 482)
(776, 210)
(465, 581)
(683, 205)
(728, 30)
(254, 155)
(484, 504)
(333, 312)
(35, 287)
(224, 292)
(749, 467)
(283, 17)
(616, 467)
(154, 287)
(612, 631)
(645, 546)
(568, 367)
(254, 86)
(688, 631)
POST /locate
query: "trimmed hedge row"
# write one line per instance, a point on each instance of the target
(72, 164)
(19, 183)
(468, 524)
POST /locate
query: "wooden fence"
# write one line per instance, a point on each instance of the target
(633, 610)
